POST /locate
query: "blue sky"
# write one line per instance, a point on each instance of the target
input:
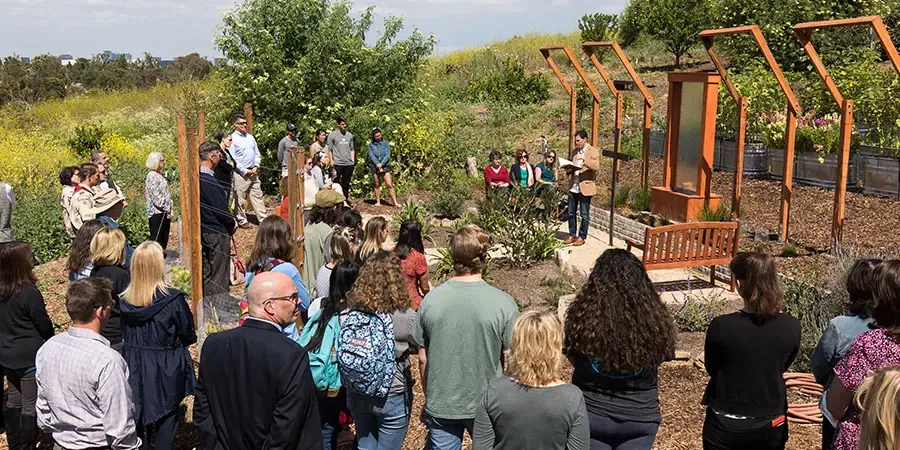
(169, 28)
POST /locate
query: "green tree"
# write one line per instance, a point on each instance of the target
(191, 67)
(633, 22)
(598, 27)
(676, 23)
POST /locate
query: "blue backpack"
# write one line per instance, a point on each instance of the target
(365, 352)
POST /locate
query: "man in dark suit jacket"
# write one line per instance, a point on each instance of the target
(216, 224)
(255, 389)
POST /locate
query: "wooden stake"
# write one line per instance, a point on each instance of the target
(595, 122)
(573, 105)
(645, 154)
(296, 165)
(840, 187)
(787, 181)
(739, 158)
(183, 180)
(193, 206)
(248, 114)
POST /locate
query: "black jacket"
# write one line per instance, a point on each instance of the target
(255, 391)
(120, 280)
(214, 214)
(24, 326)
(161, 372)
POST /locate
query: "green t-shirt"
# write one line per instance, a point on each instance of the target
(465, 326)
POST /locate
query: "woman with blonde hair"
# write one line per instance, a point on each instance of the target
(879, 400)
(380, 291)
(158, 326)
(108, 256)
(375, 236)
(557, 415)
(159, 199)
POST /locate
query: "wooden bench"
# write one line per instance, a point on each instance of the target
(693, 244)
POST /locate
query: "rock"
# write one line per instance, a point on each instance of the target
(447, 223)
(471, 167)
(563, 305)
(562, 257)
(435, 222)
(681, 355)
(472, 211)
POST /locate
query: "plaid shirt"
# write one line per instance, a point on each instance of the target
(84, 400)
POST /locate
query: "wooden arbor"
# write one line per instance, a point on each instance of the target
(589, 49)
(804, 32)
(793, 111)
(573, 94)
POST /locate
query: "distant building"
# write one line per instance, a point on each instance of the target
(165, 63)
(25, 59)
(66, 60)
(112, 56)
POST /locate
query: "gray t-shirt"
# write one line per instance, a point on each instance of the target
(284, 150)
(341, 145)
(404, 345)
(465, 326)
(514, 416)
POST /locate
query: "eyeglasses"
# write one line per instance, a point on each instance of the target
(240, 123)
(293, 298)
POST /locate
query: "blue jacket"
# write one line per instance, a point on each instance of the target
(161, 372)
(380, 152)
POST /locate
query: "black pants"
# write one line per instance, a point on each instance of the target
(611, 434)
(19, 414)
(165, 429)
(344, 177)
(216, 262)
(159, 229)
(721, 434)
(827, 434)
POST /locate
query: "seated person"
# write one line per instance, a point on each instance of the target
(495, 175)
(546, 173)
(521, 173)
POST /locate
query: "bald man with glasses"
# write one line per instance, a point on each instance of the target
(255, 389)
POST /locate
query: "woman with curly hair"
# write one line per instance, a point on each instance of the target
(747, 353)
(532, 384)
(618, 332)
(381, 423)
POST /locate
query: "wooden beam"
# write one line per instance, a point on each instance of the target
(617, 144)
(603, 74)
(805, 37)
(836, 23)
(726, 31)
(595, 122)
(887, 43)
(739, 146)
(248, 114)
(196, 265)
(720, 67)
(184, 198)
(556, 71)
(296, 165)
(776, 69)
(840, 187)
(573, 107)
(645, 152)
(787, 180)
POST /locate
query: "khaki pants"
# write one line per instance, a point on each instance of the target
(253, 187)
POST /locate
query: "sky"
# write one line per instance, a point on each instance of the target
(170, 28)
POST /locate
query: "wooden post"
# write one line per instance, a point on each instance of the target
(617, 140)
(840, 188)
(201, 125)
(787, 182)
(739, 158)
(296, 165)
(193, 208)
(183, 180)
(595, 122)
(645, 153)
(573, 105)
(248, 114)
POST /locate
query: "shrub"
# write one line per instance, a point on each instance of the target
(718, 214)
(37, 220)
(698, 310)
(790, 250)
(414, 210)
(444, 267)
(622, 193)
(181, 279)
(527, 235)
(450, 197)
(508, 83)
(641, 200)
(87, 139)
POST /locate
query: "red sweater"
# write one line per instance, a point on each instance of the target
(492, 177)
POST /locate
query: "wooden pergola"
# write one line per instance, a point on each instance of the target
(573, 94)
(589, 50)
(804, 32)
(793, 112)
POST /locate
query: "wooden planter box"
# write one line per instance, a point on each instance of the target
(880, 173)
(808, 170)
(756, 157)
(657, 143)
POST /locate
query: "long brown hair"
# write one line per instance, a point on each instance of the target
(17, 261)
(618, 318)
(380, 286)
(273, 240)
(886, 294)
(758, 283)
(374, 238)
(80, 253)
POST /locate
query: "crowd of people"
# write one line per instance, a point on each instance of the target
(331, 343)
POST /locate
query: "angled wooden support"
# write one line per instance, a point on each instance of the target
(793, 111)
(590, 49)
(573, 95)
(804, 32)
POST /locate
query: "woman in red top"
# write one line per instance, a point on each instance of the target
(411, 252)
(495, 175)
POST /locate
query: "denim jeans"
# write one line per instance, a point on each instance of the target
(583, 203)
(447, 434)
(381, 423)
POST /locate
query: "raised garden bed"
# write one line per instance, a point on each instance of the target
(810, 171)
(657, 142)
(756, 157)
(880, 171)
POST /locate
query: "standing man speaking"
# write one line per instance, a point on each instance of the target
(246, 172)
(340, 142)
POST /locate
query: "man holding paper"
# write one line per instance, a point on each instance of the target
(581, 171)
